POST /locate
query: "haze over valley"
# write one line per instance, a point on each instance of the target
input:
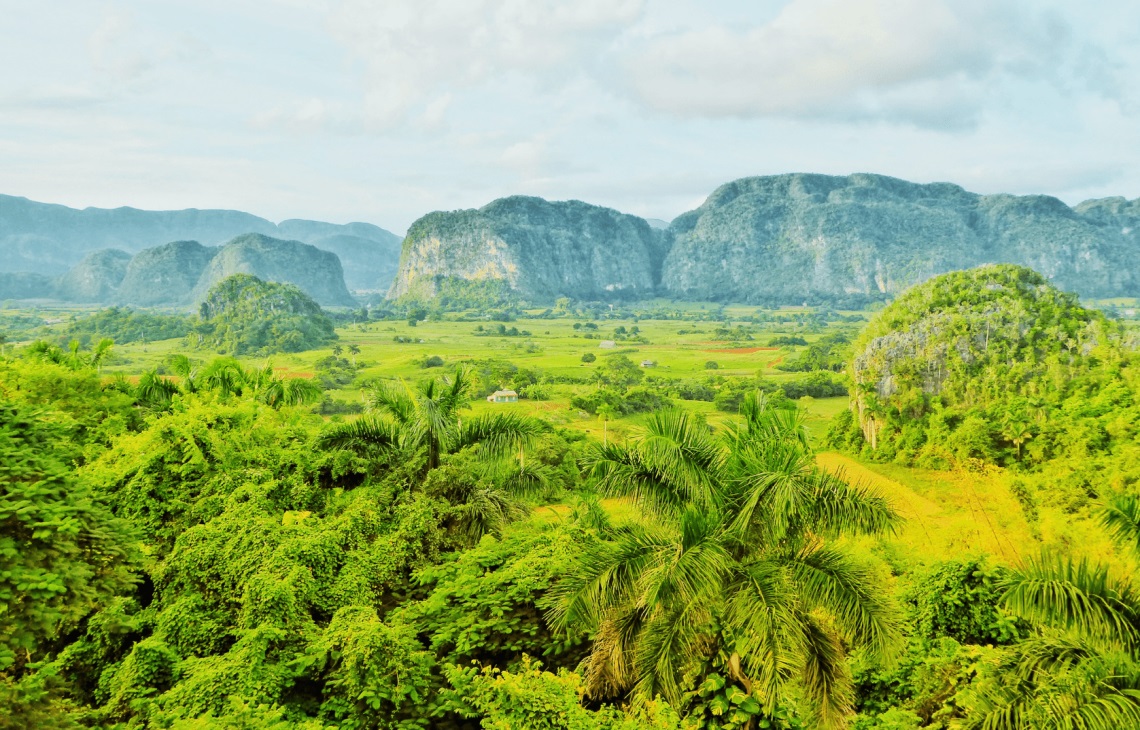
(550, 365)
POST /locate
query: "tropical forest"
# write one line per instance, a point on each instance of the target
(923, 513)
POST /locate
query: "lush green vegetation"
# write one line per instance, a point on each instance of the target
(123, 325)
(345, 538)
(245, 315)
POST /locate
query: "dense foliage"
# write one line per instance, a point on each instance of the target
(195, 546)
(995, 365)
(123, 325)
(245, 315)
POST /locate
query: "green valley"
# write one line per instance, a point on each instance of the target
(687, 516)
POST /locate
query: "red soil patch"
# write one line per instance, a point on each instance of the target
(744, 350)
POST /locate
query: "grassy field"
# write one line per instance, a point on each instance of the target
(680, 350)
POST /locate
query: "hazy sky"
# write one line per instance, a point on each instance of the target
(384, 110)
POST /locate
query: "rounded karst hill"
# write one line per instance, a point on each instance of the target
(977, 351)
(317, 273)
(538, 248)
(96, 278)
(244, 315)
(165, 275)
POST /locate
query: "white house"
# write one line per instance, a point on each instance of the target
(503, 396)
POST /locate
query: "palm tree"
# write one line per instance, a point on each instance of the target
(354, 350)
(1082, 667)
(1017, 431)
(605, 413)
(426, 418)
(337, 350)
(227, 377)
(732, 582)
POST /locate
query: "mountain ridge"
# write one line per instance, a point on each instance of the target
(50, 239)
(844, 240)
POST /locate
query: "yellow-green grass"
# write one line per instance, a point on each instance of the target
(965, 513)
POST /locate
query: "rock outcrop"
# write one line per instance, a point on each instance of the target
(788, 238)
(541, 249)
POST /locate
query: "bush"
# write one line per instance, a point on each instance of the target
(712, 365)
(589, 357)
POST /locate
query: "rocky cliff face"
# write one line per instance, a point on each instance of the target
(317, 273)
(788, 238)
(542, 249)
(94, 279)
(50, 239)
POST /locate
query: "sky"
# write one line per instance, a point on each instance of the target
(384, 110)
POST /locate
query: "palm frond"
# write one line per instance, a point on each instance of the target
(826, 678)
(1076, 596)
(844, 508)
(1121, 517)
(759, 614)
(301, 391)
(621, 472)
(676, 445)
(665, 650)
(497, 434)
(827, 578)
(607, 575)
(610, 671)
(456, 391)
(363, 435)
(394, 400)
(154, 390)
(527, 481)
(1060, 682)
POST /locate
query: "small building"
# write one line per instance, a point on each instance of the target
(607, 344)
(648, 364)
(503, 396)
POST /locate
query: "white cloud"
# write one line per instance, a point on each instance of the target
(930, 62)
(416, 51)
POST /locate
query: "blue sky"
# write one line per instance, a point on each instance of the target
(382, 111)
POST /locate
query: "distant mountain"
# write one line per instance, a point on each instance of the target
(26, 286)
(241, 315)
(541, 249)
(788, 238)
(50, 239)
(181, 273)
(370, 255)
(779, 239)
(165, 275)
(94, 279)
(657, 223)
(317, 273)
